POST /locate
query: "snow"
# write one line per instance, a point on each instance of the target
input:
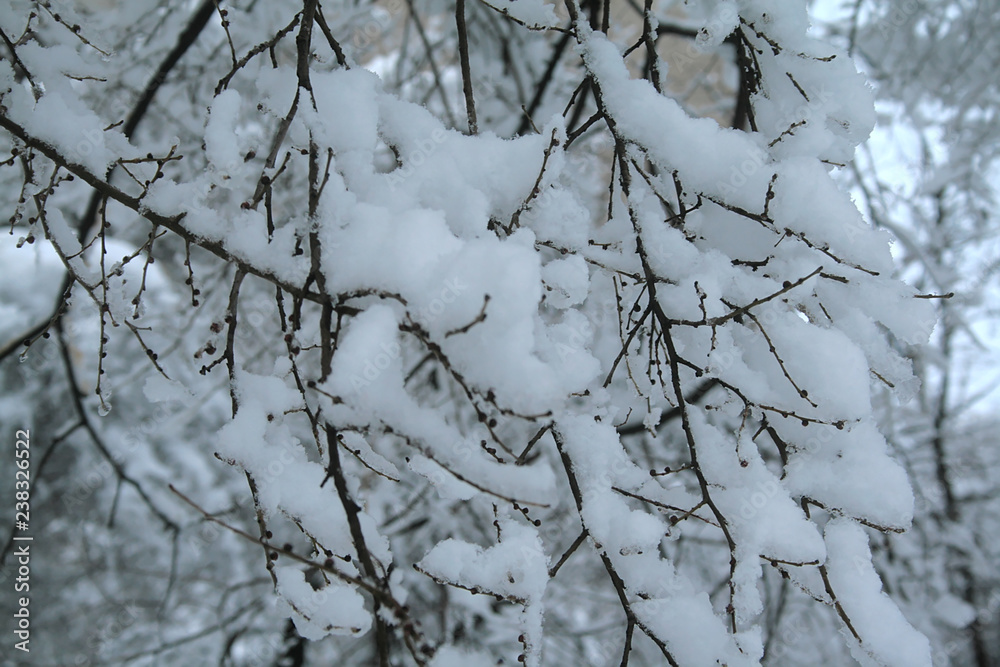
(346, 109)
(724, 18)
(221, 135)
(886, 637)
(515, 568)
(336, 609)
(697, 148)
(275, 88)
(259, 440)
(566, 281)
(693, 633)
(367, 376)
(629, 538)
(63, 122)
(876, 489)
(764, 518)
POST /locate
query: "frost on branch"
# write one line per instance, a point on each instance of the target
(479, 378)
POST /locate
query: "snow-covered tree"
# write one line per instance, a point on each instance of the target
(465, 332)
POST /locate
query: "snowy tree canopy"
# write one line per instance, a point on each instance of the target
(453, 332)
